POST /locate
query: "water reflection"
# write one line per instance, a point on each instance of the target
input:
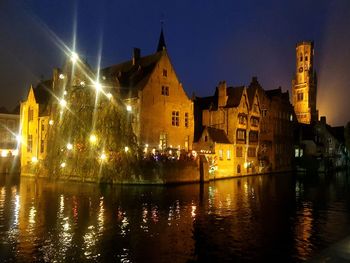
(254, 218)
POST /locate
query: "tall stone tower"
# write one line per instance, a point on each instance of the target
(304, 84)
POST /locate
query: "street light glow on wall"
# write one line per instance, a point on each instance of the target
(63, 102)
(93, 138)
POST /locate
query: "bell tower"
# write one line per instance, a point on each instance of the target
(304, 84)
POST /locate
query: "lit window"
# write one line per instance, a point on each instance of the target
(175, 118)
(296, 154)
(300, 96)
(29, 143)
(221, 154)
(228, 155)
(30, 114)
(291, 117)
(241, 135)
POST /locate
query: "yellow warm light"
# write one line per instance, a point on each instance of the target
(109, 95)
(74, 57)
(69, 146)
(51, 122)
(93, 138)
(82, 83)
(15, 152)
(18, 138)
(61, 76)
(34, 159)
(126, 148)
(63, 164)
(63, 102)
(128, 108)
(103, 156)
(4, 153)
(98, 86)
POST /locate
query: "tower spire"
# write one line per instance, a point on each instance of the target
(161, 42)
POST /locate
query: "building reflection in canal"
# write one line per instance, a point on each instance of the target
(252, 218)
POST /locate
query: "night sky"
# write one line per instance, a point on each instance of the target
(207, 41)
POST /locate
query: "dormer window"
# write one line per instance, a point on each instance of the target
(165, 73)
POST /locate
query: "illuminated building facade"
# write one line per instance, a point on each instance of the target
(235, 113)
(277, 125)
(35, 119)
(304, 84)
(161, 110)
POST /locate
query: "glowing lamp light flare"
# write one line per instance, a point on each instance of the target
(74, 57)
(61, 76)
(98, 86)
(3, 153)
(69, 146)
(51, 122)
(126, 149)
(109, 95)
(103, 156)
(63, 165)
(128, 108)
(63, 103)
(93, 138)
(34, 159)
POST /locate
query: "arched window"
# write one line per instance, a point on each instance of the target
(238, 168)
(301, 56)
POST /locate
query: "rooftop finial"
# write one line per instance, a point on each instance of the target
(161, 42)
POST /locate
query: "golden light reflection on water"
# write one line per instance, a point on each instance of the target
(303, 231)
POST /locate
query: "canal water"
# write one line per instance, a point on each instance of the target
(272, 217)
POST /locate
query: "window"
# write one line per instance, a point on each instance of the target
(165, 90)
(264, 112)
(241, 135)
(300, 96)
(251, 152)
(30, 114)
(301, 56)
(253, 136)
(42, 126)
(175, 118)
(238, 168)
(254, 121)
(186, 119)
(165, 73)
(306, 58)
(241, 118)
(228, 155)
(206, 138)
(221, 154)
(42, 146)
(291, 117)
(239, 151)
(296, 154)
(29, 143)
(163, 140)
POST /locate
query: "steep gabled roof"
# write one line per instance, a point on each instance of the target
(206, 103)
(217, 135)
(234, 95)
(133, 74)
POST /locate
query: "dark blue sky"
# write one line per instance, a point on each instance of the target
(207, 40)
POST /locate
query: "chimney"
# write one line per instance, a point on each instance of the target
(136, 54)
(222, 94)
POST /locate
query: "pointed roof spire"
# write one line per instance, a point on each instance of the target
(161, 42)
